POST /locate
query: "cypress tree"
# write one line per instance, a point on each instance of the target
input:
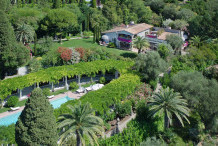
(94, 37)
(7, 42)
(36, 124)
(19, 3)
(94, 4)
(88, 22)
(57, 4)
(35, 42)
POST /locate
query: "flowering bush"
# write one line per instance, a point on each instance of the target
(66, 53)
(82, 53)
(61, 49)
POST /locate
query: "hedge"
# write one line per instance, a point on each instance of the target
(101, 99)
(53, 74)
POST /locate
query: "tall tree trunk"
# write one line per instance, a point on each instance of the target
(94, 37)
(61, 39)
(139, 51)
(78, 140)
(79, 81)
(20, 93)
(35, 41)
(52, 86)
(66, 85)
(166, 121)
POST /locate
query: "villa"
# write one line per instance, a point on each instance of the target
(123, 36)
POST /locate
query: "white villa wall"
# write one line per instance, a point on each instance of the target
(142, 34)
(113, 36)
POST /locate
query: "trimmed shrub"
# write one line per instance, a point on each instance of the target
(103, 98)
(7, 135)
(111, 45)
(74, 85)
(123, 109)
(153, 84)
(12, 101)
(109, 116)
(165, 81)
(102, 80)
(46, 91)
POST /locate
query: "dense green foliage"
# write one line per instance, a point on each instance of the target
(54, 74)
(46, 92)
(169, 103)
(150, 65)
(165, 50)
(12, 101)
(70, 18)
(103, 98)
(74, 85)
(201, 94)
(137, 130)
(7, 134)
(175, 41)
(11, 54)
(80, 123)
(36, 124)
(123, 110)
(102, 80)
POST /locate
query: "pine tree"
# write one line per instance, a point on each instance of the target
(36, 124)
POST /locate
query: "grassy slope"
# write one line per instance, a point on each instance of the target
(87, 43)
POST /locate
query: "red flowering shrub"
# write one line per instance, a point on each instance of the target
(62, 49)
(82, 53)
(66, 53)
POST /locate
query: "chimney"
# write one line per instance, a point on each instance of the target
(132, 23)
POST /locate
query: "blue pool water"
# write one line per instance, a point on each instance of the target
(8, 120)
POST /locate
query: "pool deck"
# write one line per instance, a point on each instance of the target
(69, 94)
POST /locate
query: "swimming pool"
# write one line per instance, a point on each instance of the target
(12, 119)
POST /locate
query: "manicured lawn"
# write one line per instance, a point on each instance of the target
(87, 43)
(19, 103)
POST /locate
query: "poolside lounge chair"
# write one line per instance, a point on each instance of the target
(14, 108)
(50, 97)
(80, 90)
(89, 88)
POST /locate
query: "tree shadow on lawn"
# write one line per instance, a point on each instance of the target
(129, 55)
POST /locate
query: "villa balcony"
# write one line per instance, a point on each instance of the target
(122, 39)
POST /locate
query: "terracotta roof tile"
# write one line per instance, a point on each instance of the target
(164, 35)
(133, 29)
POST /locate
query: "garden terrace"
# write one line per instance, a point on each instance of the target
(101, 99)
(54, 74)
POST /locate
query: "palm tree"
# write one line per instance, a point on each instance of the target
(25, 33)
(141, 43)
(170, 103)
(195, 41)
(79, 124)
